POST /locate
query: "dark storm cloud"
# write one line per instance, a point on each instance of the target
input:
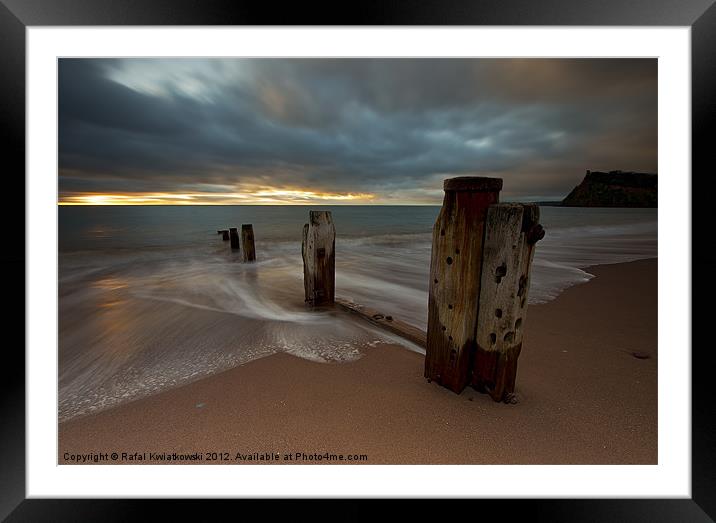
(391, 127)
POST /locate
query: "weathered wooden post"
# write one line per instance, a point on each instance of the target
(454, 289)
(224, 235)
(511, 231)
(233, 232)
(247, 242)
(319, 259)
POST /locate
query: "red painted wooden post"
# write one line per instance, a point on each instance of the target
(454, 289)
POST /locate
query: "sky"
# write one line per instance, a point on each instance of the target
(346, 131)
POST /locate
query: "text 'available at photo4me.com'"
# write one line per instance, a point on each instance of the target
(237, 457)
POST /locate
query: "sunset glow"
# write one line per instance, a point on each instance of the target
(262, 196)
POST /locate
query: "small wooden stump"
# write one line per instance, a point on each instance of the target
(224, 235)
(319, 259)
(234, 235)
(511, 232)
(455, 279)
(247, 242)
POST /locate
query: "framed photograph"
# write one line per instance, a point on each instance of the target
(296, 260)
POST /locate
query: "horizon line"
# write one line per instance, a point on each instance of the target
(282, 204)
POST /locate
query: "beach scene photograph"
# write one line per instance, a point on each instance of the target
(321, 261)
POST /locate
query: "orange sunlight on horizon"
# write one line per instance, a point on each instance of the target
(263, 196)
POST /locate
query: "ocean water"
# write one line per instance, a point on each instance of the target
(151, 297)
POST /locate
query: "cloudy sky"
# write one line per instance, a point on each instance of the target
(381, 131)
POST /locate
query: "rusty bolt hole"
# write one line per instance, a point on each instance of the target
(378, 316)
(435, 280)
(442, 232)
(450, 306)
(522, 286)
(500, 272)
(450, 338)
(449, 260)
(444, 328)
(457, 251)
(498, 313)
(493, 338)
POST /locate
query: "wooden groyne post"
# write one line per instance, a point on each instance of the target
(224, 234)
(385, 321)
(234, 234)
(319, 258)
(511, 231)
(454, 287)
(247, 242)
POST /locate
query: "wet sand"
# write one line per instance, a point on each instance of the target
(584, 398)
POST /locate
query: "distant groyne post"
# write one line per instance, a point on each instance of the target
(234, 234)
(224, 234)
(247, 242)
(511, 232)
(319, 259)
(454, 287)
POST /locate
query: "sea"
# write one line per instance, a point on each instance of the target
(151, 297)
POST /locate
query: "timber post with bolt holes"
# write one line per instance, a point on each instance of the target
(319, 258)
(511, 232)
(247, 242)
(454, 286)
(233, 233)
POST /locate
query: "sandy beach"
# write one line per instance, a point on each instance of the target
(584, 398)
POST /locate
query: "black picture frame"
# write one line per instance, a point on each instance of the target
(17, 15)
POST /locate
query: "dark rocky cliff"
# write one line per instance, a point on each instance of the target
(614, 189)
